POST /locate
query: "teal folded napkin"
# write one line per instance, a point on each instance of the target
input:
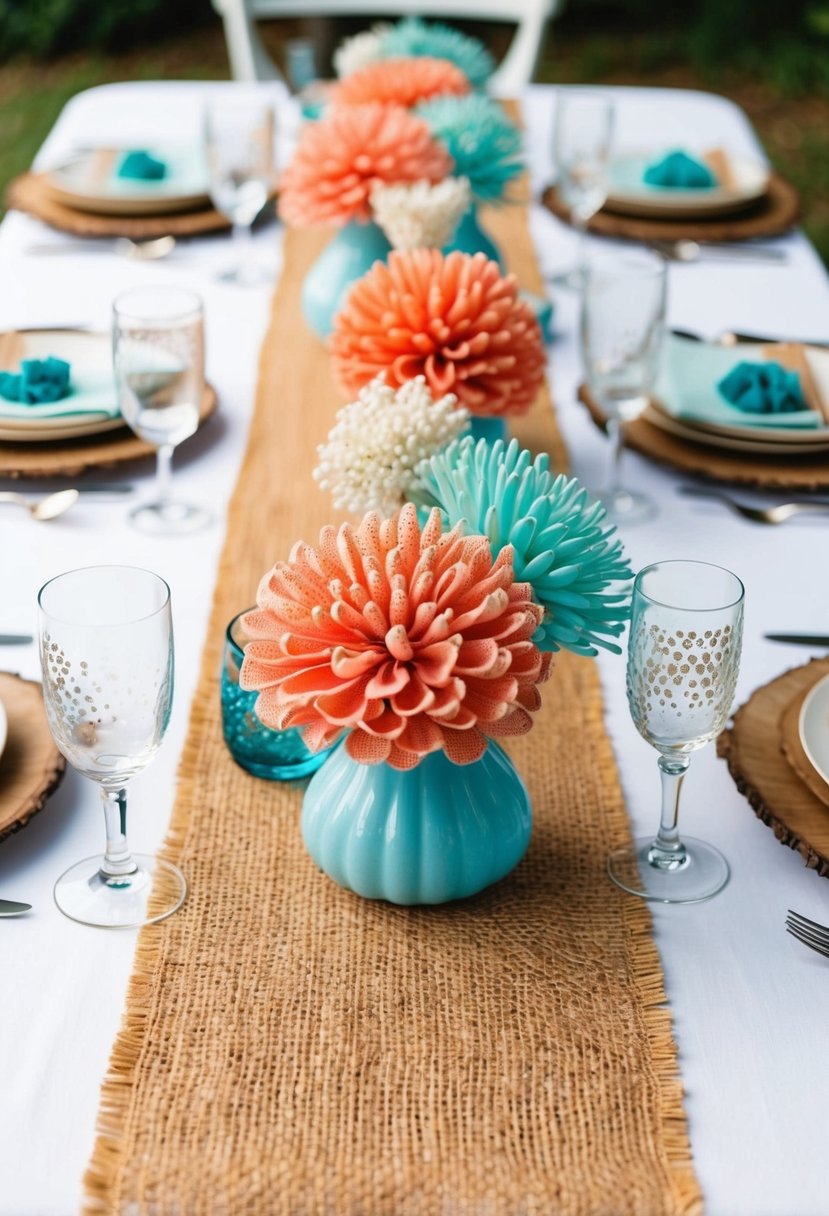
(687, 388)
(39, 381)
(763, 388)
(142, 166)
(679, 171)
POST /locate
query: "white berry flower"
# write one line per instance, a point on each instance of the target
(420, 215)
(359, 51)
(369, 460)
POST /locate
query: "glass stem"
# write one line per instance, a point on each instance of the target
(164, 474)
(117, 859)
(242, 245)
(667, 851)
(613, 429)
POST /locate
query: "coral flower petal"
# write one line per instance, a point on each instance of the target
(367, 749)
(403, 82)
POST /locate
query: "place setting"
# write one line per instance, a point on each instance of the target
(688, 203)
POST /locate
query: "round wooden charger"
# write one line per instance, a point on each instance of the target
(71, 457)
(753, 750)
(775, 213)
(31, 766)
(774, 472)
(31, 193)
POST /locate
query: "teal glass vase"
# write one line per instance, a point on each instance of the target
(433, 833)
(346, 258)
(470, 238)
(489, 429)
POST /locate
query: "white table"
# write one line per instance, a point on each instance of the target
(749, 1003)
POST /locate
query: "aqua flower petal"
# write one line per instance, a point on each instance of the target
(484, 144)
(412, 36)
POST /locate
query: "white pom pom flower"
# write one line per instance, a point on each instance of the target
(369, 460)
(420, 215)
(359, 51)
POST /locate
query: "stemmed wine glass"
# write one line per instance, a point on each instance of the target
(582, 142)
(683, 658)
(158, 356)
(622, 332)
(239, 143)
(106, 654)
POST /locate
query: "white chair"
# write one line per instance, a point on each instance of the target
(250, 61)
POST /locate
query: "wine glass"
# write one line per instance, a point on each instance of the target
(582, 141)
(158, 355)
(239, 143)
(106, 654)
(683, 658)
(622, 331)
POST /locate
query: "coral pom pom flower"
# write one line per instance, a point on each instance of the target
(414, 641)
(454, 319)
(401, 82)
(341, 158)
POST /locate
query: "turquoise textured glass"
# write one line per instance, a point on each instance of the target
(278, 755)
(470, 238)
(345, 258)
(436, 832)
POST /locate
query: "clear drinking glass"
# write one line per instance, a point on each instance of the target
(239, 142)
(106, 654)
(622, 331)
(158, 355)
(582, 142)
(686, 634)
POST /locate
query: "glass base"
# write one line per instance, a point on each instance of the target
(703, 873)
(153, 892)
(628, 507)
(245, 275)
(169, 518)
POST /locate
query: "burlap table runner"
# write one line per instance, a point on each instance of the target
(290, 1048)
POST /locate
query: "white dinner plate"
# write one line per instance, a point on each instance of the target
(657, 415)
(90, 356)
(813, 726)
(629, 193)
(90, 182)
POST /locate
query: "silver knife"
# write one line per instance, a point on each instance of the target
(15, 639)
(799, 639)
(9, 907)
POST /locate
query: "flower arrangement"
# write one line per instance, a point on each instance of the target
(370, 459)
(562, 542)
(412, 37)
(411, 639)
(482, 141)
(454, 319)
(401, 82)
(420, 215)
(340, 159)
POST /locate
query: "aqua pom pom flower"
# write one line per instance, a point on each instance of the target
(484, 144)
(412, 36)
(562, 543)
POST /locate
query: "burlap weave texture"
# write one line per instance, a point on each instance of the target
(290, 1048)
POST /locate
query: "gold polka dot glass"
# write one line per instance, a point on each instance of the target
(106, 654)
(683, 659)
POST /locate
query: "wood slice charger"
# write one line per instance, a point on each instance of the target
(755, 749)
(772, 215)
(31, 767)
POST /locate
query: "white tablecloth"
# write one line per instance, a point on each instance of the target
(749, 1003)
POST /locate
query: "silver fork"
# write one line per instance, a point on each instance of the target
(809, 932)
(776, 514)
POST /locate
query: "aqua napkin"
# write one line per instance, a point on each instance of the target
(679, 171)
(763, 388)
(142, 166)
(39, 381)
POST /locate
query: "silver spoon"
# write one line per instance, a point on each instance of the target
(693, 251)
(140, 251)
(776, 514)
(10, 907)
(43, 509)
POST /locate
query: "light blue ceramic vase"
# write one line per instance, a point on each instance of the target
(345, 258)
(470, 238)
(436, 832)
